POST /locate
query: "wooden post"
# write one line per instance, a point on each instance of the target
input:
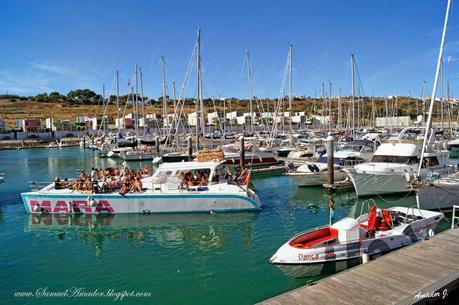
(157, 144)
(190, 148)
(242, 147)
(330, 167)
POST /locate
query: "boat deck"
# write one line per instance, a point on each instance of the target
(404, 276)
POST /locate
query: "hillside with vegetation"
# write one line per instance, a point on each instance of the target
(85, 102)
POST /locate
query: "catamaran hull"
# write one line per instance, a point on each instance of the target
(316, 178)
(36, 202)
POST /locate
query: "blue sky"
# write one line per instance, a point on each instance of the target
(61, 45)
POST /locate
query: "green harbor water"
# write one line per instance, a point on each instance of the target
(178, 259)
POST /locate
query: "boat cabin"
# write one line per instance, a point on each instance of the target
(172, 175)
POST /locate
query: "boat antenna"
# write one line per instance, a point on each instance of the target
(434, 89)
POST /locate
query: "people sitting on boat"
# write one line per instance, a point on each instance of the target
(204, 179)
(124, 188)
(229, 174)
(183, 180)
(57, 183)
(146, 170)
(136, 185)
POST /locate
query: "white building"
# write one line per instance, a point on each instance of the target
(49, 122)
(214, 117)
(400, 121)
(233, 114)
(192, 119)
(322, 119)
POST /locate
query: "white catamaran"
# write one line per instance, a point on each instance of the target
(163, 192)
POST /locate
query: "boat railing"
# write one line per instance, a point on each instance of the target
(38, 185)
(350, 163)
(454, 217)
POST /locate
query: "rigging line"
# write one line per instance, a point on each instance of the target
(182, 95)
(280, 100)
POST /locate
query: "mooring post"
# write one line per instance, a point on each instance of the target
(242, 147)
(330, 168)
(157, 144)
(365, 258)
(190, 148)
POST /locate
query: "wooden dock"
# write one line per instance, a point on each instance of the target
(404, 276)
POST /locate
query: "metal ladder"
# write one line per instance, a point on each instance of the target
(453, 216)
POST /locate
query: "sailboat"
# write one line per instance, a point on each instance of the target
(436, 193)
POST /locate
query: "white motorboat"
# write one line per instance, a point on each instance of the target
(163, 192)
(438, 193)
(315, 173)
(117, 151)
(2, 177)
(333, 248)
(137, 155)
(394, 164)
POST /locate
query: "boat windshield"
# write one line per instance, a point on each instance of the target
(396, 159)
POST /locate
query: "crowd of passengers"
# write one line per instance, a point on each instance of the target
(200, 178)
(106, 180)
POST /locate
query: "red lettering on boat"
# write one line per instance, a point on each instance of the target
(61, 207)
(81, 204)
(104, 206)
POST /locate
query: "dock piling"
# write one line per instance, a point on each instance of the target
(190, 148)
(242, 147)
(330, 168)
(157, 144)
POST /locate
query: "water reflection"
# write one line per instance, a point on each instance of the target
(203, 231)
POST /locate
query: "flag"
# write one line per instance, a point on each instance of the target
(246, 179)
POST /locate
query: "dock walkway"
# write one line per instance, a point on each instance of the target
(406, 276)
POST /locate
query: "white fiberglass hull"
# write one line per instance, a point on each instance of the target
(368, 183)
(315, 178)
(315, 260)
(137, 157)
(145, 203)
(442, 194)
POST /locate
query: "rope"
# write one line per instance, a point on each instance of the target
(394, 201)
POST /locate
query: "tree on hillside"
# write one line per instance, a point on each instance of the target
(83, 96)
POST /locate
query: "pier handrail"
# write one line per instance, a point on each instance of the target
(454, 217)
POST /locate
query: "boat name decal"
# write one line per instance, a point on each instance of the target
(79, 206)
(308, 257)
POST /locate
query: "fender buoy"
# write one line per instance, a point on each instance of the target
(92, 202)
(37, 209)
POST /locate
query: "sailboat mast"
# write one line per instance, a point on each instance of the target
(329, 105)
(290, 87)
(136, 116)
(340, 109)
(249, 85)
(434, 89)
(141, 100)
(199, 101)
(163, 73)
(118, 98)
(353, 95)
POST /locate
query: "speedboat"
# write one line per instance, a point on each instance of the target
(162, 192)
(315, 173)
(334, 248)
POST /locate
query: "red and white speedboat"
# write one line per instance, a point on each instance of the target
(339, 246)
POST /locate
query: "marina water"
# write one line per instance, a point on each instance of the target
(178, 259)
